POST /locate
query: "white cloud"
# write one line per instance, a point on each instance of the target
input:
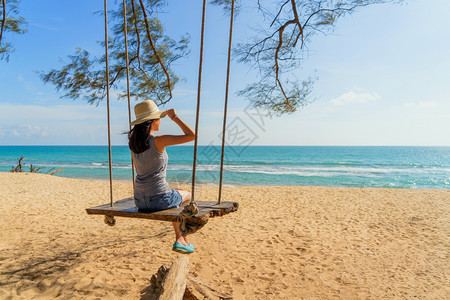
(184, 92)
(16, 114)
(45, 27)
(421, 104)
(29, 131)
(355, 98)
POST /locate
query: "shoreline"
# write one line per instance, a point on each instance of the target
(171, 183)
(284, 242)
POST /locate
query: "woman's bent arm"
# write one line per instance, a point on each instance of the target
(162, 141)
(185, 127)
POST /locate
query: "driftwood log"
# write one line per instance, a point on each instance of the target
(168, 283)
(19, 168)
(175, 283)
(196, 290)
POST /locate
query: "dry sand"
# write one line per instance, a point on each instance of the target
(283, 243)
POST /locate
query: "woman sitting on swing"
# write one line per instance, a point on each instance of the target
(151, 190)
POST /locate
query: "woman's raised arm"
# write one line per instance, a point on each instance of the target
(162, 141)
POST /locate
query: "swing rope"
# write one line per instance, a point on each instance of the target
(125, 30)
(191, 209)
(190, 226)
(226, 100)
(199, 88)
(107, 102)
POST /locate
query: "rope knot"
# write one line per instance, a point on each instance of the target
(189, 210)
(188, 223)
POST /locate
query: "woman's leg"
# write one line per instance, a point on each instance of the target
(178, 237)
(186, 199)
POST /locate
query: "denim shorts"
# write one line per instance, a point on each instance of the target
(158, 202)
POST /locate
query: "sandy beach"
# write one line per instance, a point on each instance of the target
(285, 242)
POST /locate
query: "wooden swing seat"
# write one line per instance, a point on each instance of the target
(126, 208)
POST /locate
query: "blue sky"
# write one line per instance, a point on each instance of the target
(383, 79)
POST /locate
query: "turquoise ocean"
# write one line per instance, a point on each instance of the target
(383, 167)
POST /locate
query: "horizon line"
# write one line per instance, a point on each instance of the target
(219, 145)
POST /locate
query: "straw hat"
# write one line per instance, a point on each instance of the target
(147, 110)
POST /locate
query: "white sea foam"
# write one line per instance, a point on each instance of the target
(312, 171)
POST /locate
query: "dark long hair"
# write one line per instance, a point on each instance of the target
(138, 137)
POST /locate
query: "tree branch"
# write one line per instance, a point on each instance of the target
(279, 12)
(121, 69)
(138, 56)
(154, 49)
(137, 35)
(3, 20)
(277, 67)
(297, 21)
(328, 10)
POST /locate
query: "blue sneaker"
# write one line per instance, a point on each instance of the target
(180, 248)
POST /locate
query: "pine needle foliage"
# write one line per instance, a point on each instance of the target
(276, 50)
(279, 46)
(10, 23)
(151, 55)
